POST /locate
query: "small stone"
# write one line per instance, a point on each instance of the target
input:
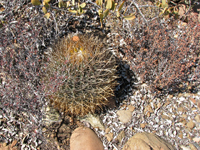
(124, 115)
(149, 109)
(166, 117)
(142, 125)
(193, 108)
(109, 136)
(121, 136)
(190, 124)
(181, 109)
(183, 121)
(85, 138)
(192, 147)
(107, 130)
(148, 114)
(184, 116)
(196, 139)
(184, 147)
(167, 103)
(136, 144)
(180, 135)
(193, 100)
(131, 108)
(159, 105)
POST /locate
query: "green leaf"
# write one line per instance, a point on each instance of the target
(36, 2)
(164, 4)
(72, 11)
(83, 5)
(47, 15)
(60, 4)
(109, 4)
(129, 17)
(118, 14)
(46, 1)
(113, 5)
(45, 4)
(73, 2)
(120, 7)
(99, 2)
(44, 10)
(105, 13)
(101, 19)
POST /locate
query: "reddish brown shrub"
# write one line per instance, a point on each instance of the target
(167, 56)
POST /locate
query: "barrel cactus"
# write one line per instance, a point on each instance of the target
(80, 75)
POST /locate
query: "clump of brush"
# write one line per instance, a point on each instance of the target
(80, 75)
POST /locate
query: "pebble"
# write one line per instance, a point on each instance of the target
(107, 130)
(142, 125)
(190, 124)
(184, 147)
(197, 118)
(192, 147)
(124, 115)
(120, 136)
(131, 108)
(109, 136)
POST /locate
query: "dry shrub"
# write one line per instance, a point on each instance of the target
(166, 55)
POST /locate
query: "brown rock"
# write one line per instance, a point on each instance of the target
(124, 115)
(192, 147)
(131, 108)
(190, 124)
(181, 109)
(166, 117)
(193, 100)
(197, 118)
(148, 114)
(84, 138)
(121, 136)
(107, 130)
(109, 136)
(142, 125)
(148, 141)
(136, 144)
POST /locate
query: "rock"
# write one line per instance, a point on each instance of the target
(147, 141)
(107, 130)
(124, 115)
(109, 136)
(190, 124)
(131, 108)
(83, 138)
(148, 114)
(121, 136)
(197, 118)
(142, 125)
(136, 144)
(196, 139)
(192, 147)
(184, 147)
(166, 117)
(193, 100)
(181, 109)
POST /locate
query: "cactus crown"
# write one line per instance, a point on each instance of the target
(81, 75)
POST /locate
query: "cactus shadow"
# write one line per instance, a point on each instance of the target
(125, 87)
